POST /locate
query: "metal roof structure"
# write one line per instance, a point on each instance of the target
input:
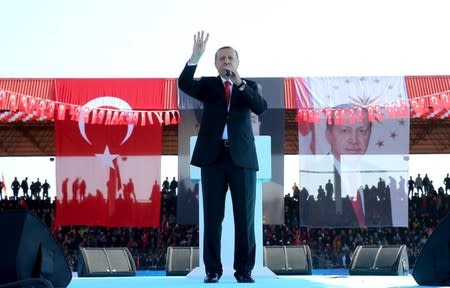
(427, 136)
(22, 135)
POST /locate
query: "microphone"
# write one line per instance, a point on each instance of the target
(228, 73)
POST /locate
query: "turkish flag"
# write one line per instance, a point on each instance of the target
(106, 173)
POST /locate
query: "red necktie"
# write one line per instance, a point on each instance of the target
(228, 91)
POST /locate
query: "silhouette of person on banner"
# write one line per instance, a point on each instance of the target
(342, 170)
(352, 138)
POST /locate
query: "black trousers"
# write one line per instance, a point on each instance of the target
(216, 179)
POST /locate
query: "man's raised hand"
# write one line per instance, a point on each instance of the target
(200, 40)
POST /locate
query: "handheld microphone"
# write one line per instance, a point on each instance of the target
(228, 73)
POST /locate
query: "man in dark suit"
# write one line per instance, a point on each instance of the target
(226, 153)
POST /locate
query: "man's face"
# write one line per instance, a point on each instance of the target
(226, 59)
(349, 139)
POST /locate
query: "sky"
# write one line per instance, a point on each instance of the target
(285, 38)
(153, 38)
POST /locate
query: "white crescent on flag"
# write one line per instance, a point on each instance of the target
(103, 101)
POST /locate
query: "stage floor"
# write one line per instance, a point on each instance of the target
(161, 281)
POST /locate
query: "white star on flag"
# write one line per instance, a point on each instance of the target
(107, 158)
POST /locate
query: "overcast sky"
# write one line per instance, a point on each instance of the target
(145, 38)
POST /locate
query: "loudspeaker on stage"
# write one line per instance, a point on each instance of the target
(30, 251)
(432, 266)
(380, 260)
(105, 262)
(288, 260)
(181, 260)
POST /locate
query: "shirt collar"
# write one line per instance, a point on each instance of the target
(223, 81)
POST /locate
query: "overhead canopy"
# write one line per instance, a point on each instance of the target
(37, 139)
(23, 135)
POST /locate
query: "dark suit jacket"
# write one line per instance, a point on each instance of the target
(210, 91)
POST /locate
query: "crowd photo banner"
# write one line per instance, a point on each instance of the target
(353, 159)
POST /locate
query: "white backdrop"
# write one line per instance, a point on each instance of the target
(43, 168)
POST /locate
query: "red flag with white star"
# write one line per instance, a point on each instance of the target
(105, 171)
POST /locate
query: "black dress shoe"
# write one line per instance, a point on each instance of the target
(244, 277)
(211, 278)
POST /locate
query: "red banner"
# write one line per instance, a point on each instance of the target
(108, 174)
